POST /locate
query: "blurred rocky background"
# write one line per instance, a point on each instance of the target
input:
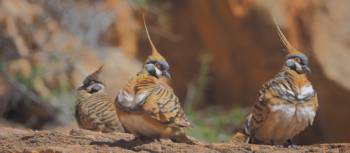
(220, 52)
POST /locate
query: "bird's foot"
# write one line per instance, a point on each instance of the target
(276, 145)
(143, 140)
(186, 139)
(290, 144)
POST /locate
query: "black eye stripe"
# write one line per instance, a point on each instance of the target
(90, 82)
(303, 59)
(99, 82)
(155, 63)
(163, 65)
(152, 62)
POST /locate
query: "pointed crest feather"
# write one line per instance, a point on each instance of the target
(97, 72)
(93, 76)
(286, 43)
(155, 54)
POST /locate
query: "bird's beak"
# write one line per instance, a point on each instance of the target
(306, 69)
(167, 74)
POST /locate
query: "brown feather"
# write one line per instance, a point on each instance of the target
(160, 113)
(286, 104)
(264, 119)
(147, 105)
(97, 112)
(286, 43)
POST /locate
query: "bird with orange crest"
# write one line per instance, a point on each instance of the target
(147, 105)
(286, 104)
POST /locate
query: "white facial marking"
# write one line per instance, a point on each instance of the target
(298, 66)
(89, 88)
(158, 72)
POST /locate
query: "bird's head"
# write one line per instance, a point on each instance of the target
(155, 64)
(296, 60)
(92, 83)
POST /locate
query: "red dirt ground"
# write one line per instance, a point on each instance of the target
(13, 140)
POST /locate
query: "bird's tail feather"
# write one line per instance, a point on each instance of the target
(240, 137)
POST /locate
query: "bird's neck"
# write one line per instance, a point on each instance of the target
(165, 82)
(143, 72)
(299, 79)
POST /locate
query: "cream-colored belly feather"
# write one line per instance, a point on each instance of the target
(138, 125)
(284, 122)
(145, 126)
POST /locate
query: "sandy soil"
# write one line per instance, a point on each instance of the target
(13, 140)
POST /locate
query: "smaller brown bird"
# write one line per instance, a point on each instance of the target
(147, 105)
(94, 108)
(286, 104)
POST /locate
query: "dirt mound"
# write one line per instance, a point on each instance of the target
(56, 141)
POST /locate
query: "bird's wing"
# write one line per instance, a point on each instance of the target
(159, 101)
(77, 115)
(313, 102)
(101, 105)
(127, 99)
(275, 91)
(81, 102)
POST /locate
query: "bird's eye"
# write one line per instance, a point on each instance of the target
(298, 60)
(92, 82)
(158, 65)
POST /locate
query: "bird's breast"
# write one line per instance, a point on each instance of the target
(285, 121)
(141, 124)
(294, 111)
(306, 92)
(298, 94)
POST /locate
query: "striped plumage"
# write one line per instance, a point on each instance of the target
(153, 105)
(147, 105)
(95, 109)
(286, 104)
